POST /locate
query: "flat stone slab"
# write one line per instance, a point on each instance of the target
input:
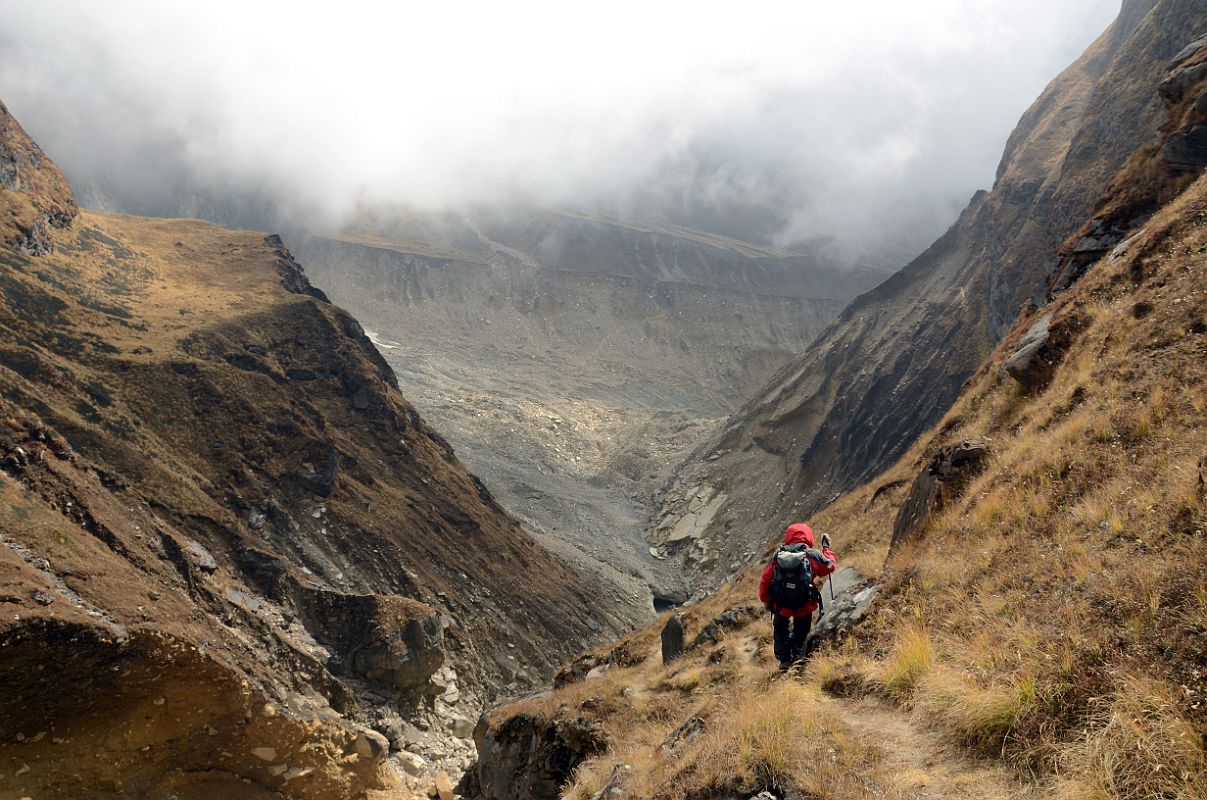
(853, 597)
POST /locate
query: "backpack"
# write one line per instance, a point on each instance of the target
(792, 579)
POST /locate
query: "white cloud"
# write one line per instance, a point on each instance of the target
(845, 110)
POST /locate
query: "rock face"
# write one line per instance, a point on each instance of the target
(1187, 151)
(222, 522)
(897, 356)
(940, 481)
(527, 758)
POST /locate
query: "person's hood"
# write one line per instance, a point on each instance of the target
(799, 533)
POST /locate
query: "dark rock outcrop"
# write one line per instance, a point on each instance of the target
(940, 481)
(730, 619)
(673, 634)
(1027, 364)
(392, 642)
(1187, 151)
(529, 758)
(319, 470)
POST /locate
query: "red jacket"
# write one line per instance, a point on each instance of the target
(797, 533)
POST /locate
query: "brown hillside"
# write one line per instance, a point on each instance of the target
(228, 542)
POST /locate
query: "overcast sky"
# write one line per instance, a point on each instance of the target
(847, 117)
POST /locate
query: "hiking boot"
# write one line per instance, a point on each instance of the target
(785, 666)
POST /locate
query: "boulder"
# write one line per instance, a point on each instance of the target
(688, 731)
(732, 618)
(940, 481)
(672, 639)
(1029, 364)
(461, 727)
(411, 763)
(319, 470)
(393, 642)
(530, 757)
(371, 745)
(200, 556)
(845, 610)
(443, 787)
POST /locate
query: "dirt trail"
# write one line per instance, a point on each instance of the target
(923, 766)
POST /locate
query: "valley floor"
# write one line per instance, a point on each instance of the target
(577, 450)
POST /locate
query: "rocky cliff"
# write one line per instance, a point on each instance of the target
(897, 356)
(232, 556)
(572, 358)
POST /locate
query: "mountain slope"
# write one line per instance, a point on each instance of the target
(888, 368)
(236, 541)
(1040, 610)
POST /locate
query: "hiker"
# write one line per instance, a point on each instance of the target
(788, 591)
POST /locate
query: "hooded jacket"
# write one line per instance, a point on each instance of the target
(797, 533)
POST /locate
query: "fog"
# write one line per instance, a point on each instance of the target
(864, 125)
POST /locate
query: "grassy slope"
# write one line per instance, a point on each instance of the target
(1051, 623)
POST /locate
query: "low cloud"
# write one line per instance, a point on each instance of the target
(864, 126)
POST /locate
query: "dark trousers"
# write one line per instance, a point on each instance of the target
(790, 636)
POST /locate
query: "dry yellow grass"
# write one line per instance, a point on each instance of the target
(1078, 555)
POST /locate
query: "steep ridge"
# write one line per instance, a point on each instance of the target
(34, 195)
(228, 545)
(1040, 556)
(895, 359)
(572, 358)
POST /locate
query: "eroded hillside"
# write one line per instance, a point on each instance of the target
(573, 359)
(895, 359)
(1040, 556)
(232, 556)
